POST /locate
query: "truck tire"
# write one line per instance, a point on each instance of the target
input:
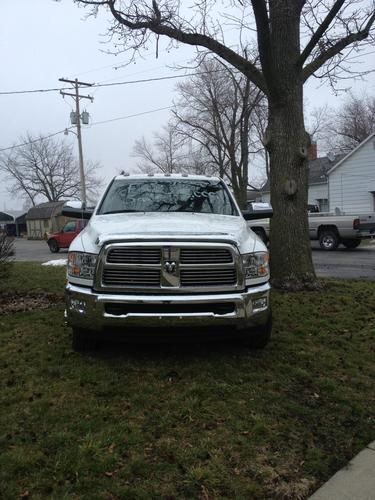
(83, 340)
(53, 246)
(258, 338)
(354, 243)
(329, 239)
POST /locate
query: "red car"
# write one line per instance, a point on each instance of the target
(63, 238)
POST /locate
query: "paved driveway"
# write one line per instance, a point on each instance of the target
(341, 263)
(36, 251)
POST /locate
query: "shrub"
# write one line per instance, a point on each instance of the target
(6, 254)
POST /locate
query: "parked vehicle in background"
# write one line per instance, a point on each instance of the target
(63, 238)
(349, 230)
(168, 251)
(329, 229)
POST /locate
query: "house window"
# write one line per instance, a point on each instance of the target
(46, 223)
(323, 204)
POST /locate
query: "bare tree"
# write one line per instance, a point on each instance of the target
(163, 155)
(296, 39)
(46, 170)
(351, 124)
(216, 110)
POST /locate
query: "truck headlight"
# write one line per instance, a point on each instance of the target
(255, 265)
(81, 265)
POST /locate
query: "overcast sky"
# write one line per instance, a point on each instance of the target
(42, 41)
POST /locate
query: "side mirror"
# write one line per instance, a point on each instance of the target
(77, 213)
(258, 214)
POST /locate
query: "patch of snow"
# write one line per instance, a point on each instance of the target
(73, 204)
(57, 262)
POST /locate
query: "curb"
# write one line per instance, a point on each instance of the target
(355, 481)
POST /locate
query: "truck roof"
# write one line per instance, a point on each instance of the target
(168, 176)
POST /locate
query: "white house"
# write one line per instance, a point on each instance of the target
(351, 181)
(341, 183)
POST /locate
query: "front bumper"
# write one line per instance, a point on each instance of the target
(93, 311)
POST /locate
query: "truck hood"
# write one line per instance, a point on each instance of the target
(166, 226)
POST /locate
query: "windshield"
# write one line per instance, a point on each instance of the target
(167, 195)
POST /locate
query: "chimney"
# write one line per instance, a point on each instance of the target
(312, 151)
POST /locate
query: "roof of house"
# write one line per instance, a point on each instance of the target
(45, 210)
(5, 217)
(318, 170)
(21, 219)
(348, 155)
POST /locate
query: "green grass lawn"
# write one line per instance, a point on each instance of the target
(186, 420)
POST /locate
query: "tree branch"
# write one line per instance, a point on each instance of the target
(320, 31)
(263, 35)
(157, 25)
(335, 49)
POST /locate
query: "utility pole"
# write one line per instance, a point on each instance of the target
(76, 96)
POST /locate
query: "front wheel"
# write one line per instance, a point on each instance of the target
(83, 340)
(354, 243)
(258, 337)
(329, 240)
(53, 246)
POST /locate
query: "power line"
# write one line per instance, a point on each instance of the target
(35, 140)
(132, 116)
(95, 123)
(152, 79)
(35, 91)
(112, 84)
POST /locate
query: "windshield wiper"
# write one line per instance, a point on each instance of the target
(120, 212)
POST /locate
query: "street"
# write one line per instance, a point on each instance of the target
(341, 263)
(344, 263)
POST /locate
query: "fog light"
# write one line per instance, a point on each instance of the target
(78, 306)
(260, 304)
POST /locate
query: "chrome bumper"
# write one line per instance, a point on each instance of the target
(89, 310)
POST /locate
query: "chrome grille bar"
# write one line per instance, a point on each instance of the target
(208, 277)
(127, 277)
(205, 256)
(134, 255)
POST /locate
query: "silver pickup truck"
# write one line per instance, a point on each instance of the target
(329, 229)
(167, 251)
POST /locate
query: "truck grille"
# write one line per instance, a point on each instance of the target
(131, 277)
(129, 255)
(207, 277)
(175, 267)
(205, 256)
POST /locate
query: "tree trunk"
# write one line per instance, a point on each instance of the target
(287, 143)
(290, 249)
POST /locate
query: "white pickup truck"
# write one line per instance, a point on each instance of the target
(329, 229)
(167, 251)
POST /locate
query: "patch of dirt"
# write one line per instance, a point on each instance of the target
(11, 302)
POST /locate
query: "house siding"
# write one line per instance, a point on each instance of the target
(317, 192)
(351, 183)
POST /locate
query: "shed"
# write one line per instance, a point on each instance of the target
(44, 218)
(5, 219)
